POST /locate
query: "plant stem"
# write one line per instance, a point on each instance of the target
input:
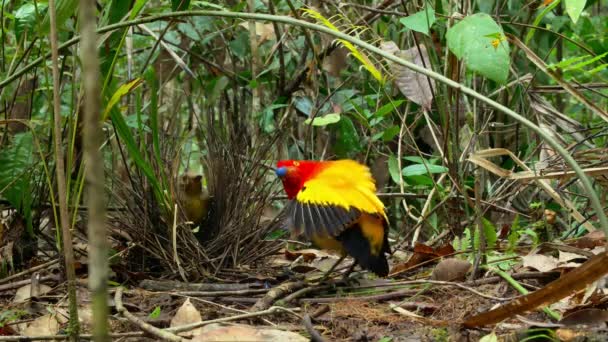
(94, 171)
(68, 252)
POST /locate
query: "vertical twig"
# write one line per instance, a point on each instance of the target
(68, 252)
(253, 41)
(94, 171)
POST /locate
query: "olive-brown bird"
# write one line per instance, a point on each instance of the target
(194, 198)
(334, 204)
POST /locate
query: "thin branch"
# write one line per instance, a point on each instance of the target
(163, 334)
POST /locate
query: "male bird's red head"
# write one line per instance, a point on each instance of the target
(294, 173)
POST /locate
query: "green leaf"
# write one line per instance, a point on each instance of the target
(416, 159)
(388, 108)
(180, 5)
(122, 91)
(137, 7)
(347, 140)
(26, 19)
(422, 169)
(587, 62)
(472, 40)
(304, 105)
(324, 120)
(422, 180)
(64, 10)
(420, 21)
(16, 174)
(393, 169)
(155, 313)
(574, 8)
(489, 231)
(390, 133)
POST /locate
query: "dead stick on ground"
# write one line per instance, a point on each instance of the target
(28, 271)
(20, 283)
(277, 293)
(269, 311)
(165, 335)
(169, 285)
(314, 334)
(301, 292)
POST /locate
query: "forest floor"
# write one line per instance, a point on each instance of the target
(423, 299)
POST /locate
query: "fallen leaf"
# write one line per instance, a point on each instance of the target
(42, 326)
(24, 292)
(568, 335)
(593, 239)
(241, 332)
(540, 262)
(588, 317)
(451, 269)
(567, 256)
(187, 314)
(308, 254)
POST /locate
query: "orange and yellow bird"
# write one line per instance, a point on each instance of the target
(334, 204)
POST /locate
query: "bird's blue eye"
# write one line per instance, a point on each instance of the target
(281, 172)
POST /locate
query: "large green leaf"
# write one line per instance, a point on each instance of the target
(480, 42)
(420, 21)
(26, 18)
(64, 9)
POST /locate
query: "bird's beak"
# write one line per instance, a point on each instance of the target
(281, 171)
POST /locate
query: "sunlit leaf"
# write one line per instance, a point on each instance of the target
(122, 91)
(324, 120)
(470, 40)
(574, 8)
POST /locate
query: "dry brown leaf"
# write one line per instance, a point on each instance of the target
(587, 317)
(42, 326)
(565, 257)
(25, 291)
(241, 332)
(187, 314)
(451, 269)
(417, 87)
(263, 31)
(540, 262)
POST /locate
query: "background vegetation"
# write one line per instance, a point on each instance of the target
(186, 91)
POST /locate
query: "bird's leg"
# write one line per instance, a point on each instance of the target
(330, 271)
(345, 278)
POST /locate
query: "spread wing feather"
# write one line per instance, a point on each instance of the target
(334, 199)
(310, 219)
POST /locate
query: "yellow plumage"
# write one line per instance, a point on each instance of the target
(344, 183)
